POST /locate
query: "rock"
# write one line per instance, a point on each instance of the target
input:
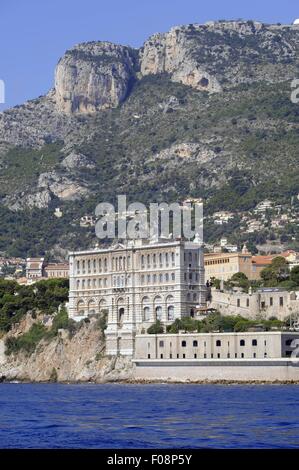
(61, 186)
(93, 76)
(77, 160)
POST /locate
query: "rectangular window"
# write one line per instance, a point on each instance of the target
(281, 301)
(247, 302)
(148, 356)
(271, 301)
(238, 302)
(161, 344)
(195, 356)
(161, 356)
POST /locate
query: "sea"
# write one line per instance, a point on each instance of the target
(118, 416)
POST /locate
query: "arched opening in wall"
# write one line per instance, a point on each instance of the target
(102, 305)
(146, 313)
(121, 315)
(81, 308)
(91, 307)
(158, 313)
(170, 313)
(192, 313)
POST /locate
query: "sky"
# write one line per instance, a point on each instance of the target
(34, 34)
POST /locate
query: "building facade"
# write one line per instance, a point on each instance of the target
(266, 303)
(253, 345)
(224, 265)
(136, 284)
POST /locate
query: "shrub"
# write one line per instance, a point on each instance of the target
(156, 328)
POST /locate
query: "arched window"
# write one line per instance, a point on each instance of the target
(121, 314)
(159, 312)
(218, 343)
(184, 344)
(105, 264)
(166, 277)
(170, 312)
(242, 342)
(154, 258)
(100, 265)
(88, 265)
(166, 258)
(142, 260)
(160, 277)
(78, 284)
(148, 260)
(94, 265)
(160, 258)
(154, 278)
(146, 314)
(172, 257)
(195, 344)
(142, 279)
(254, 342)
(172, 276)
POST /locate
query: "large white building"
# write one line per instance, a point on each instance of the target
(136, 284)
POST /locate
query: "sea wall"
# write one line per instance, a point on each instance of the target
(268, 370)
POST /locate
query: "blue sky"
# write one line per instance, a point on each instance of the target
(35, 33)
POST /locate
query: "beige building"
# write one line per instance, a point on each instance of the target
(136, 284)
(224, 265)
(34, 268)
(56, 270)
(253, 345)
(266, 302)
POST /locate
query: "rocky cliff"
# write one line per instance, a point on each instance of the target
(77, 357)
(199, 111)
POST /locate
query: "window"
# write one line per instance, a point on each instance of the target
(170, 312)
(146, 313)
(247, 302)
(161, 356)
(184, 344)
(142, 260)
(148, 260)
(265, 354)
(254, 342)
(228, 355)
(170, 356)
(271, 301)
(195, 356)
(238, 302)
(289, 342)
(242, 355)
(195, 344)
(281, 301)
(218, 342)
(172, 276)
(254, 355)
(142, 279)
(159, 313)
(148, 356)
(204, 356)
(184, 355)
(218, 355)
(166, 277)
(242, 342)
(161, 344)
(172, 257)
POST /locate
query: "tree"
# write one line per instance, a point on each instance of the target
(277, 271)
(240, 280)
(294, 275)
(156, 328)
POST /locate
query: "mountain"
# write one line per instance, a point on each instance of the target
(200, 111)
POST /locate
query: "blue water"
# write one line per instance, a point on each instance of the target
(149, 416)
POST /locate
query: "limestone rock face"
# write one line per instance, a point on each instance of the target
(93, 76)
(220, 54)
(171, 53)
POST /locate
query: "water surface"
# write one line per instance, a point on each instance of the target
(149, 416)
